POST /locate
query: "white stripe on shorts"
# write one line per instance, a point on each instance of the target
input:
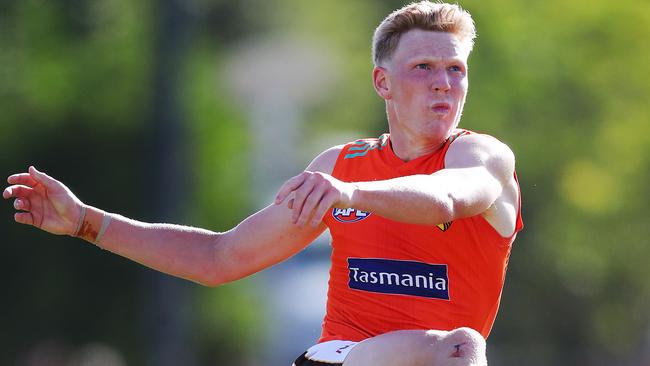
(330, 352)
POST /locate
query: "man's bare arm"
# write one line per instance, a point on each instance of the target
(477, 168)
(210, 258)
(199, 255)
(478, 172)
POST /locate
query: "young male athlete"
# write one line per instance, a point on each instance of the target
(422, 219)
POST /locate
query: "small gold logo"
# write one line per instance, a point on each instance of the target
(445, 226)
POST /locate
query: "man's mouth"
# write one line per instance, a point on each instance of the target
(441, 108)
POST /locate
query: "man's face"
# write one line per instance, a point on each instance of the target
(425, 83)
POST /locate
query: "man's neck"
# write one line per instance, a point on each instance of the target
(408, 148)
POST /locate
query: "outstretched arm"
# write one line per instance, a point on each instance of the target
(199, 255)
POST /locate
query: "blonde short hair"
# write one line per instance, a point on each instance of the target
(425, 15)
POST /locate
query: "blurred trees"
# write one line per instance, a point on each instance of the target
(77, 100)
(73, 95)
(565, 84)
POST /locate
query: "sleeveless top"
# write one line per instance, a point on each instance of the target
(387, 275)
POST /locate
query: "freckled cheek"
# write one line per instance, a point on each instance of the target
(460, 88)
(408, 89)
(460, 81)
(465, 83)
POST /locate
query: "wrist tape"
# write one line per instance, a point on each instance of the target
(92, 224)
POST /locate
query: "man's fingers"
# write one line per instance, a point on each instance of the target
(24, 218)
(43, 178)
(289, 186)
(22, 178)
(323, 207)
(300, 195)
(17, 191)
(310, 203)
(312, 197)
(21, 204)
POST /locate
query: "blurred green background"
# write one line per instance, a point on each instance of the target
(158, 110)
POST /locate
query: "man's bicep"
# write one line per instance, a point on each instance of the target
(269, 236)
(470, 191)
(262, 240)
(481, 167)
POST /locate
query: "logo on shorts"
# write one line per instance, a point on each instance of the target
(349, 214)
(399, 277)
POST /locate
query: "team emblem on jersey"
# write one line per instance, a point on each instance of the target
(349, 214)
(444, 226)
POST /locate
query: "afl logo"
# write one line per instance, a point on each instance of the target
(349, 214)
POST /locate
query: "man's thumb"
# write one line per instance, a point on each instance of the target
(41, 177)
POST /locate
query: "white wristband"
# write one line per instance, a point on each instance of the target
(106, 220)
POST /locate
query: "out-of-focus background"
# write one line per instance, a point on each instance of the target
(195, 111)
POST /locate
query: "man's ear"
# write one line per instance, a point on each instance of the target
(381, 83)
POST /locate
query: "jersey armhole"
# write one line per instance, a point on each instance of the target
(336, 171)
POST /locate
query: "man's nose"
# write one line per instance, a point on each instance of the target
(440, 81)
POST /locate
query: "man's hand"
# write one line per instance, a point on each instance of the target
(314, 194)
(44, 202)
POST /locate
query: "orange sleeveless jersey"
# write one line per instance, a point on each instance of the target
(387, 275)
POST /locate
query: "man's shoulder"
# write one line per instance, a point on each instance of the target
(478, 148)
(326, 160)
(372, 141)
(475, 142)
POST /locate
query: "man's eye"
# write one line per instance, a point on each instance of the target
(455, 68)
(422, 66)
